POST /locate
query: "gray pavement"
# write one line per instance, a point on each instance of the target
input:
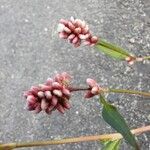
(30, 52)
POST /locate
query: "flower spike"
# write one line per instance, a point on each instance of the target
(52, 95)
(76, 31)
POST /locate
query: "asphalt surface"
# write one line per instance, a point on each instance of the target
(30, 52)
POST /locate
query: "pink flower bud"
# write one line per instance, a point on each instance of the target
(41, 94)
(45, 87)
(48, 95)
(94, 39)
(88, 94)
(86, 43)
(31, 99)
(63, 35)
(66, 104)
(56, 85)
(95, 90)
(49, 109)
(35, 89)
(82, 37)
(128, 58)
(71, 26)
(71, 36)
(66, 92)
(131, 62)
(67, 30)
(60, 108)
(38, 108)
(54, 101)
(91, 82)
(27, 93)
(44, 104)
(49, 81)
(57, 93)
(75, 40)
(77, 30)
(63, 21)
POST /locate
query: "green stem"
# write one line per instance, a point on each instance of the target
(113, 136)
(146, 57)
(129, 92)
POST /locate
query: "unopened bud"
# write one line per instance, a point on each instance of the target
(57, 93)
(48, 94)
(40, 94)
(44, 104)
(54, 101)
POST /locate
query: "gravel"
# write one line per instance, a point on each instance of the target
(31, 52)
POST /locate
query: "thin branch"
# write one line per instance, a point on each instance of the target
(103, 137)
(129, 92)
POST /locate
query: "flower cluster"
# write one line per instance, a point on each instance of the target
(52, 95)
(94, 88)
(76, 30)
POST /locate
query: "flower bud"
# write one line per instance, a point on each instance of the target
(57, 93)
(48, 95)
(60, 108)
(38, 108)
(91, 82)
(95, 90)
(54, 101)
(41, 94)
(44, 104)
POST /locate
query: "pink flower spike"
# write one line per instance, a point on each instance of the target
(76, 31)
(54, 92)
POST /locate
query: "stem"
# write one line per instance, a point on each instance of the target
(129, 92)
(103, 137)
(72, 89)
(146, 57)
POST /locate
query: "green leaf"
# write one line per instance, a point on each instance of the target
(115, 120)
(111, 53)
(113, 47)
(112, 145)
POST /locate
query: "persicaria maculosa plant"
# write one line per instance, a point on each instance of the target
(55, 93)
(77, 32)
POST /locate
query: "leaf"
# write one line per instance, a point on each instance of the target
(113, 47)
(112, 53)
(112, 145)
(116, 121)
